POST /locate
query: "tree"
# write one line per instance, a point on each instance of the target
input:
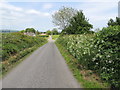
(117, 21)
(78, 24)
(48, 32)
(37, 32)
(62, 17)
(30, 30)
(111, 22)
(97, 29)
(22, 31)
(55, 31)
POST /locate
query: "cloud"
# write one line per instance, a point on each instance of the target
(46, 14)
(14, 17)
(35, 12)
(61, 0)
(32, 11)
(10, 12)
(47, 6)
(5, 5)
(97, 0)
(99, 13)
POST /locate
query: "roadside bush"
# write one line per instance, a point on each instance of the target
(79, 46)
(13, 43)
(107, 59)
(43, 35)
(15, 46)
(14, 59)
(99, 52)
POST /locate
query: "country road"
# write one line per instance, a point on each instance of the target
(44, 68)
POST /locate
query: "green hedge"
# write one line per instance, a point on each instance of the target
(13, 43)
(9, 63)
(99, 52)
(43, 35)
(15, 46)
(107, 59)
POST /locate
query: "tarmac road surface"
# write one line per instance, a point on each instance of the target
(44, 68)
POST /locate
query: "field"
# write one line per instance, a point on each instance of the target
(54, 37)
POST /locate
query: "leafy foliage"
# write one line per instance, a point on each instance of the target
(71, 21)
(48, 32)
(54, 37)
(78, 24)
(13, 43)
(55, 31)
(63, 16)
(111, 22)
(30, 30)
(43, 35)
(107, 43)
(99, 52)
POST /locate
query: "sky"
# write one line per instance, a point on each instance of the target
(19, 15)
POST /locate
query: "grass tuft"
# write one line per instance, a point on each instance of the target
(54, 37)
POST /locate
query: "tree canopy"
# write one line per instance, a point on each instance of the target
(71, 21)
(78, 24)
(62, 17)
(111, 22)
(48, 32)
(55, 31)
(30, 30)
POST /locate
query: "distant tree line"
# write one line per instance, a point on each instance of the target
(32, 30)
(8, 31)
(53, 32)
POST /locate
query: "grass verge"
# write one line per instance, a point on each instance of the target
(87, 78)
(13, 61)
(54, 37)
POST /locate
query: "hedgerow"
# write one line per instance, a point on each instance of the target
(15, 46)
(99, 52)
(9, 63)
(13, 43)
(43, 35)
(107, 59)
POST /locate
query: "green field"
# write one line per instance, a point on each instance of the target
(54, 37)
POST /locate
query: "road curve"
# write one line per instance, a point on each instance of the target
(45, 68)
